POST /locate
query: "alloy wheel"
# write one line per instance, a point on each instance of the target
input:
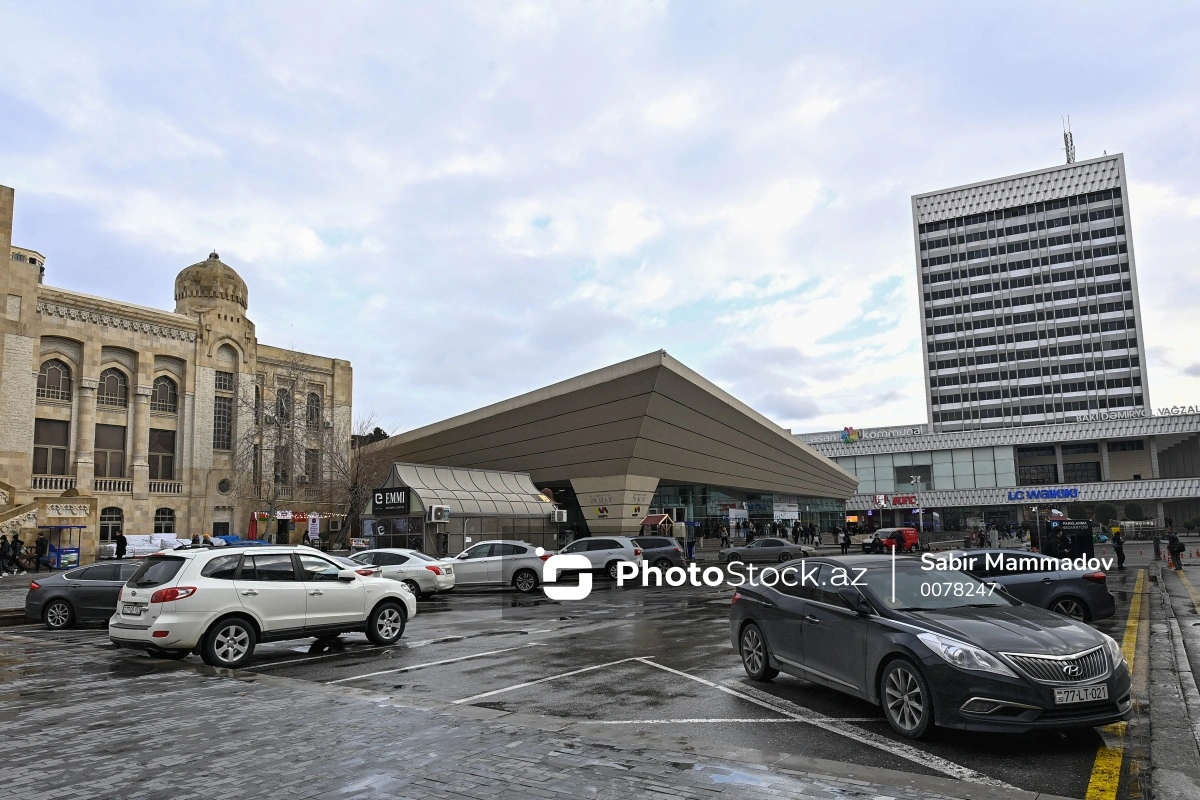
(525, 581)
(754, 654)
(231, 643)
(389, 623)
(58, 615)
(904, 699)
(1069, 608)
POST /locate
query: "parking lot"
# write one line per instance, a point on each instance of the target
(657, 663)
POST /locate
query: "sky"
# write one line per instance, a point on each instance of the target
(472, 200)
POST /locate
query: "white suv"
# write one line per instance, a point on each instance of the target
(605, 552)
(221, 602)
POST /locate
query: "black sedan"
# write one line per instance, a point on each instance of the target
(83, 594)
(931, 647)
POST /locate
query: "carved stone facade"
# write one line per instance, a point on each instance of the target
(121, 404)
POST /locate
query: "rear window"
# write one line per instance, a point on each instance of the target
(157, 570)
(422, 556)
(222, 568)
(650, 543)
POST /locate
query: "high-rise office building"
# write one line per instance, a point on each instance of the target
(1029, 298)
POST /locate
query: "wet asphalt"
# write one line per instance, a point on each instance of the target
(654, 663)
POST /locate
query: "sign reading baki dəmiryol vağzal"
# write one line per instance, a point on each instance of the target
(1137, 413)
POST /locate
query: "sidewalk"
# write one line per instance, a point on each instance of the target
(87, 722)
(1175, 674)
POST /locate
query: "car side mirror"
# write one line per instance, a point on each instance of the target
(463, 554)
(856, 601)
(347, 575)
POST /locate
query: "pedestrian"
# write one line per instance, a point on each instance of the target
(844, 541)
(40, 547)
(724, 537)
(5, 555)
(1175, 549)
(1118, 543)
(122, 543)
(15, 558)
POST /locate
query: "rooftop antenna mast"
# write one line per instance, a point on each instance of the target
(1068, 140)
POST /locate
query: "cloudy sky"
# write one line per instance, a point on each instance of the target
(473, 200)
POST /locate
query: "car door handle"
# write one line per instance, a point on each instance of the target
(766, 604)
(1047, 580)
(316, 592)
(250, 592)
(812, 619)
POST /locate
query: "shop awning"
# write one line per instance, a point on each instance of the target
(657, 519)
(473, 491)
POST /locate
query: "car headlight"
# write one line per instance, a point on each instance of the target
(1114, 650)
(964, 656)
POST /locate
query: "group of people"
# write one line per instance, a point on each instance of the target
(13, 551)
(797, 532)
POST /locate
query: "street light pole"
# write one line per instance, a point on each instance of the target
(915, 480)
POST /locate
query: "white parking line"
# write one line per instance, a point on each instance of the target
(842, 728)
(549, 678)
(434, 663)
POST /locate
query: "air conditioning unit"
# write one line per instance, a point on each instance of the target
(335, 525)
(558, 515)
(328, 424)
(437, 514)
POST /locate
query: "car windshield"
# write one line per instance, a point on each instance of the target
(917, 589)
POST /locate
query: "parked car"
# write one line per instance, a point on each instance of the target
(83, 594)
(424, 575)
(660, 551)
(606, 552)
(932, 648)
(220, 602)
(1033, 578)
(767, 549)
(500, 563)
(885, 540)
(365, 570)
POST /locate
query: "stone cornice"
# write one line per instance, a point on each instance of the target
(119, 321)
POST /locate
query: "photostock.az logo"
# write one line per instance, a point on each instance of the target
(571, 562)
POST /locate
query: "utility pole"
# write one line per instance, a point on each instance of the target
(915, 480)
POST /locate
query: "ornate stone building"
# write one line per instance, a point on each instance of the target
(155, 421)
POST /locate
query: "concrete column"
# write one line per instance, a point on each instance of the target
(1155, 472)
(1105, 472)
(141, 442)
(1058, 461)
(615, 504)
(85, 437)
(1160, 513)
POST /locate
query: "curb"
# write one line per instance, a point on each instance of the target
(12, 616)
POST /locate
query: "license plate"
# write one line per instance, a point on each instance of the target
(1081, 694)
(132, 610)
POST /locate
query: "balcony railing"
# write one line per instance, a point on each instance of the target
(166, 487)
(52, 483)
(114, 485)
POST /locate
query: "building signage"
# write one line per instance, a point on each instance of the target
(602, 512)
(390, 501)
(903, 500)
(283, 514)
(314, 526)
(1018, 495)
(1137, 413)
(851, 435)
(598, 499)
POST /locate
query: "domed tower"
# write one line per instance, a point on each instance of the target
(210, 285)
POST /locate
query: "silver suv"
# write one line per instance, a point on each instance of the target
(221, 602)
(606, 552)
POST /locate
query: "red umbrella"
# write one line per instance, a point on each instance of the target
(253, 531)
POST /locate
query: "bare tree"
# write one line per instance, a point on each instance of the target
(354, 472)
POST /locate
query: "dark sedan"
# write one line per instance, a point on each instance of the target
(932, 648)
(769, 549)
(83, 594)
(1039, 580)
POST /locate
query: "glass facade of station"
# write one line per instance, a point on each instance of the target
(964, 468)
(710, 506)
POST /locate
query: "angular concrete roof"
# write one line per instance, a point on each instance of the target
(649, 416)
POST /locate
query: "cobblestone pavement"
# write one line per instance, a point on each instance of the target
(80, 720)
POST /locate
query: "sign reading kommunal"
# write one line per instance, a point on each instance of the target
(1020, 495)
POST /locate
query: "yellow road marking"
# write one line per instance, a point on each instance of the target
(1191, 590)
(1106, 771)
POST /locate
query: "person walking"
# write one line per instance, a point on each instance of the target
(1175, 549)
(41, 546)
(1118, 544)
(724, 537)
(844, 541)
(17, 548)
(5, 556)
(122, 543)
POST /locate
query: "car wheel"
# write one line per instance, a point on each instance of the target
(174, 655)
(753, 649)
(612, 569)
(1070, 607)
(785, 557)
(663, 563)
(386, 624)
(229, 643)
(734, 557)
(907, 703)
(525, 581)
(414, 588)
(58, 615)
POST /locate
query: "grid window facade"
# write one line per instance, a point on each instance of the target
(1031, 276)
(222, 423)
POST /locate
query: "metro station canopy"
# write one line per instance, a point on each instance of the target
(472, 491)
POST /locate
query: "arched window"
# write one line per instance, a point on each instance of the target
(166, 395)
(312, 416)
(164, 520)
(54, 380)
(111, 520)
(283, 407)
(114, 389)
